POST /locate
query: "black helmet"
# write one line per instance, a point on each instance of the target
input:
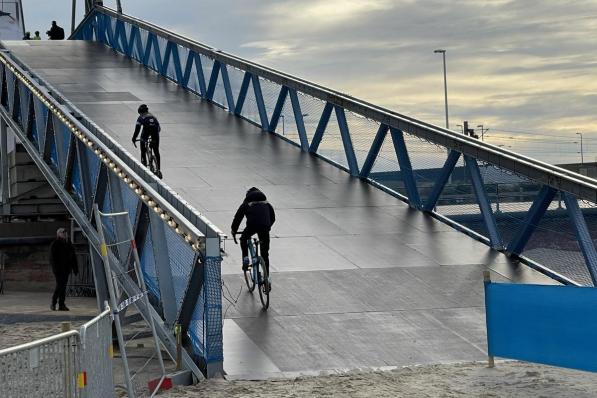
(252, 189)
(142, 109)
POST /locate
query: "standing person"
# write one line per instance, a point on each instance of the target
(260, 218)
(63, 260)
(27, 36)
(37, 36)
(55, 32)
(151, 128)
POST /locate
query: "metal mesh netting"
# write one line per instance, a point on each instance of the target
(46, 370)
(10, 85)
(130, 201)
(93, 167)
(386, 169)
(24, 96)
(181, 263)
(213, 316)
(63, 136)
(41, 119)
(147, 261)
(196, 331)
(554, 243)
(75, 180)
(96, 341)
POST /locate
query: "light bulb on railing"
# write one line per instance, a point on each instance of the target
(157, 209)
(171, 223)
(188, 238)
(144, 197)
(151, 204)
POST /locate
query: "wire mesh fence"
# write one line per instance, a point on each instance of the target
(72, 364)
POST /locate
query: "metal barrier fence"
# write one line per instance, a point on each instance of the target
(85, 167)
(70, 364)
(446, 174)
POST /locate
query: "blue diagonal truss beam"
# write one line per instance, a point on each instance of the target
(583, 236)
(484, 203)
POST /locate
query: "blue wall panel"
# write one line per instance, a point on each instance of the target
(553, 325)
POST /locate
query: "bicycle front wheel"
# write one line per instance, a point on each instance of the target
(264, 288)
(249, 280)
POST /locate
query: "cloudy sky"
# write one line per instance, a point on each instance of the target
(527, 70)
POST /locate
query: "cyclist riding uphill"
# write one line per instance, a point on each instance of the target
(151, 128)
(260, 218)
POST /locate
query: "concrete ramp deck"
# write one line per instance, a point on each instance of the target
(360, 280)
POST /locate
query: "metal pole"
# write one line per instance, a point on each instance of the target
(118, 7)
(74, 13)
(582, 157)
(443, 53)
(113, 303)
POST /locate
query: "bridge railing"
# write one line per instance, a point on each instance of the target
(410, 159)
(179, 249)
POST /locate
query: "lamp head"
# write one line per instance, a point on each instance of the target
(439, 51)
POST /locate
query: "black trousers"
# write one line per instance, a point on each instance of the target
(155, 145)
(60, 291)
(264, 243)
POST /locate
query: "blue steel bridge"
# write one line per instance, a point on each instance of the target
(385, 222)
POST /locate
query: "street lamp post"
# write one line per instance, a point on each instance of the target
(443, 53)
(582, 157)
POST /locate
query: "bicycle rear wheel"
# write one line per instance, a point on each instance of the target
(249, 279)
(264, 288)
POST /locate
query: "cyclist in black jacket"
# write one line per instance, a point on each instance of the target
(260, 218)
(151, 128)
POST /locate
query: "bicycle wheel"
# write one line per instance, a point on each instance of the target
(152, 164)
(249, 279)
(264, 287)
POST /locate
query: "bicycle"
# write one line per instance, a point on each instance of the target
(151, 161)
(253, 276)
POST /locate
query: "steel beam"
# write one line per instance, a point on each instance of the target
(213, 79)
(374, 151)
(484, 204)
(260, 103)
(4, 188)
(582, 235)
(300, 123)
(406, 169)
(347, 141)
(441, 181)
(321, 126)
(273, 124)
(242, 94)
(227, 87)
(162, 268)
(534, 215)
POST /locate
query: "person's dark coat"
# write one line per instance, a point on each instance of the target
(63, 258)
(260, 214)
(56, 33)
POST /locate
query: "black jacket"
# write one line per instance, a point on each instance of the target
(56, 33)
(63, 258)
(260, 214)
(151, 127)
